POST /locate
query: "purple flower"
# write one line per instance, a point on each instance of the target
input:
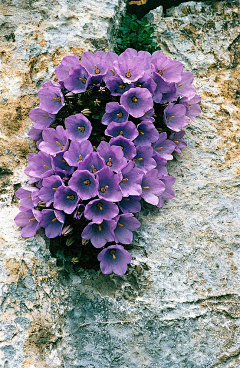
(168, 193)
(78, 127)
(40, 165)
(49, 187)
(78, 80)
(41, 118)
(161, 162)
(92, 162)
(51, 99)
(99, 234)
(77, 214)
(143, 159)
(165, 91)
(146, 82)
(126, 224)
(127, 146)
(112, 155)
(29, 221)
(177, 139)
(116, 86)
(114, 112)
(28, 197)
(111, 57)
(152, 187)
(108, 185)
(100, 209)
(131, 180)
(52, 221)
(174, 117)
(54, 140)
(60, 165)
(127, 130)
(164, 147)
(84, 183)
(114, 259)
(77, 152)
(65, 199)
(170, 70)
(96, 64)
(36, 135)
(137, 101)
(129, 66)
(185, 87)
(130, 204)
(67, 63)
(148, 116)
(193, 109)
(148, 134)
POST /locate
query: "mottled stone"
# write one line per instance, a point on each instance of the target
(178, 305)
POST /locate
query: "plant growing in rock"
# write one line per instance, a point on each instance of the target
(104, 132)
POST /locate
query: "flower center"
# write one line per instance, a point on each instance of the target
(122, 86)
(81, 128)
(97, 70)
(176, 142)
(140, 131)
(83, 80)
(80, 158)
(168, 119)
(100, 206)
(100, 229)
(139, 85)
(103, 189)
(87, 182)
(114, 73)
(59, 144)
(128, 74)
(134, 99)
(58, 99)
(161, 71)
(120, 224)
(54, 219)
(93, 169)
(33, 219)
(120, 114)
(72, 197)
(109, 162)
(112, 252)
(45, 167)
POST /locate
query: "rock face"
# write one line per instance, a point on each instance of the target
(178, 305)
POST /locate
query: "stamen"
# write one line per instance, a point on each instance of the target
(120, 114)
(54, 188)
(87, 182)
(114, 73)
(127, 199)
(103, 189)
(169, 118)
(81, 128)
(128, 74)
(72, 197)
(176, 142)
(99, 206)
(145, 187)
(134, 99)
(161, 71)
(93, 169)
(139, 85)
(45, 115)
(125, 179)
(109, 162)
(120, 224)
(32, 219)
(97, 70)
(100, 229)
(80, 158)
(54, 219)
(84, 80)
(140, 159)
(180, 85)
(122, 86)
(58, 99)
(45, 167)
(158, 149)
(121, 133)
(29, 197)
(112, 252)
(140, 131)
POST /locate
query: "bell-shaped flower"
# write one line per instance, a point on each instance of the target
(137, 101)
(54, 140)
(131, 180)
(174, 117)
(161, 162)
(100, 209)
(143, 159)
(84, 184)
(41, 118)
(128, 148)
(168, 193)
(77, 152)
(99, 234)
(67, 63)
(29, 220)
(78, 213)
(130, 204)
(92, 162)
(96, 64)
(185, 87)
(177, 139)
(164, 147)
(114, 112)
(78, 80)
(127, 130)
(36, 135)
(52, 221)
(51, 99)
(152, 187)
(111, 57)
(65, 199)
(40, 165)
(116, 86)
(165, 91)
(114, 259)
(28, 197)
(193, 109)
(60, 165)
(112, 155)
(49, 187)
(109, 185)
(146, 82)
(148, 116)
(78, 127)
(126, 224)
(129, 66)
(148, 134)
(170, 70)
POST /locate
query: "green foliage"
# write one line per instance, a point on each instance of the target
(135, 33)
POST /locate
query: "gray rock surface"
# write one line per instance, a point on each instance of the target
(178, 305)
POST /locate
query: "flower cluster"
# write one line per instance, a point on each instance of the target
(105, 132)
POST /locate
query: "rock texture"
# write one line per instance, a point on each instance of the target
(178, 305)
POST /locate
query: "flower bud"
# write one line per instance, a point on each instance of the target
(86, 112)
(70, 241)
(67, 230)
(41, 204)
